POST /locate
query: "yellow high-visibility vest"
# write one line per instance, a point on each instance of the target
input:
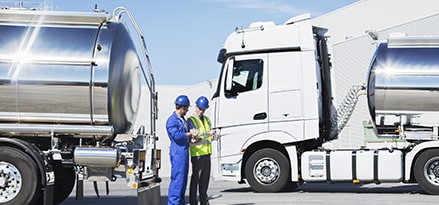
(203, 146)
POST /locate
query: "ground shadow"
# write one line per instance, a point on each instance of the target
(125, 200)
(359, 188)
(342, 188)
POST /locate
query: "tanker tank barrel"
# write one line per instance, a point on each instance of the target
(99, 70)
(403, 80)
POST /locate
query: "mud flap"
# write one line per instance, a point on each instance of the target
(149, 195)
(48, 194)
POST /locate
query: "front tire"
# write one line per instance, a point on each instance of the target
(19, 178)
(426, 171)
(267, 170)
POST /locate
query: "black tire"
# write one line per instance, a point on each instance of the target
(426, 171)
(267, 170)
(64, 182)
(22, 183)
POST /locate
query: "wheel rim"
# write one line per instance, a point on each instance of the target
(431, 171)
(266, 171)
(10, 182)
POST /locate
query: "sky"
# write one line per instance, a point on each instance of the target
(184, 36)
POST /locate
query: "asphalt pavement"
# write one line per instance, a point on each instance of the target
(232, 193)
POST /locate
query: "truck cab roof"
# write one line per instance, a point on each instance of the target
(294, 34)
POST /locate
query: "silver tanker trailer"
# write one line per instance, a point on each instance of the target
(72, 87)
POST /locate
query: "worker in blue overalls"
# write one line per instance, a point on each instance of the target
(179, 135)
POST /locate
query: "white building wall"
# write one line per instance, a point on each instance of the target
(350, 64)
(353, 20)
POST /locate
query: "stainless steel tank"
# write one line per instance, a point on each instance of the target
(403, 82)
(72, 69)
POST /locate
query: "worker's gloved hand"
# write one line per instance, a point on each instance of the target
(214, 134)
(195, 139)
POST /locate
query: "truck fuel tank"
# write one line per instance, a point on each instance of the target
(352, 165)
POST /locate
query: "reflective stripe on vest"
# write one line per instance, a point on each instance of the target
(204, 146)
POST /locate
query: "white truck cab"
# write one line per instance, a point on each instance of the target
(267, 89)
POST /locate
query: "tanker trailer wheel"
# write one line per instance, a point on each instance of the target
(426, 171)
(19, 178)
(267, 170)
(64, 181)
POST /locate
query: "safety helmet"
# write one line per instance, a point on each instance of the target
(182, 100)
(202, 102)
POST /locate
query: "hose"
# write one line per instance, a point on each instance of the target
(346, 108)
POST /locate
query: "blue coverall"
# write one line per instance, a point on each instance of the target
(179, 154)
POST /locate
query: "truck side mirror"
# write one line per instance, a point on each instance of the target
(229, 75)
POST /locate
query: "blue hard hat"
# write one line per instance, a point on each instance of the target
(202, 102)
(182, 100)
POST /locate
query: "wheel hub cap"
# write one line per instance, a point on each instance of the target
(10, 182)
(431, 171)
(267, 171)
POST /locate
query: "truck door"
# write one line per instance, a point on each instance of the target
(241, 105)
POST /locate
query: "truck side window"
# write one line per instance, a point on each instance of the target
(247, 76)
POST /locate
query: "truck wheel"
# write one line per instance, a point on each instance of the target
(267, 170)
(426, 171)
(19, 178)
(64, 182)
